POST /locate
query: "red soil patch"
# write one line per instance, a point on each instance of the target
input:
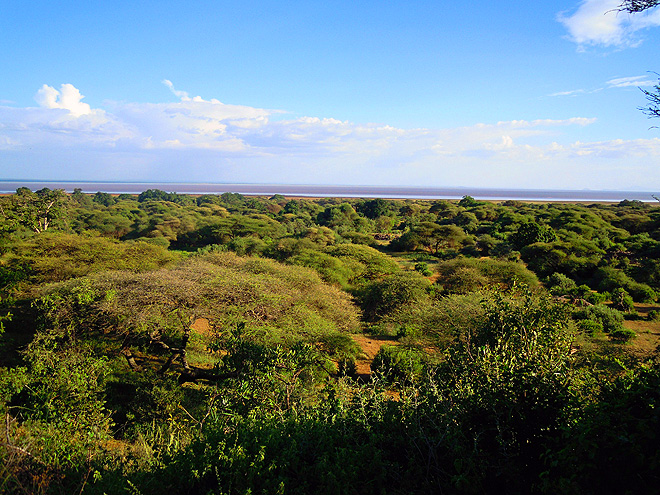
(201, 326)
(370, 346)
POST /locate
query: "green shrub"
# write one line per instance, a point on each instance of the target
(399, 364)
(623, 335)
(423, 268)
(360, 238)
(610, 318)
(654, 315)
(283, 303)
(609, 279)
(463, 275)
(580, 292)
(590, 327)
(366, 262)
(439, 320)
(331, 269)
(560, 284)
(596, 297)
(622, 300)
(380, 297)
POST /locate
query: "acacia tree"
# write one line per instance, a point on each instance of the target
(36, 211)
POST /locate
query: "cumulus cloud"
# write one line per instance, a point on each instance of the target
(67, 98)
(198, 139)
(597, 22)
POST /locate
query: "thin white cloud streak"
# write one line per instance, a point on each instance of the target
(573, 92)
(635, 81)
(597, 22)
(205, 140)
(619, 82)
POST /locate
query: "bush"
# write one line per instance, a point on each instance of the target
(560, 284)
(463, 275)
(609, 318)
(623, 335)
(440, 320)
(331, 269)
(399, 364)
(654, 315)
(609, 279)
(381, 297)
(423, 268)
(622, 300)
(366, 262)
(284, 303)
(590, 327)
(56, 257)
(596, 297)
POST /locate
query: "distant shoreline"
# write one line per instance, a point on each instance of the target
(338, 191)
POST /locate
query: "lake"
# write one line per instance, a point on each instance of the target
(342, 191)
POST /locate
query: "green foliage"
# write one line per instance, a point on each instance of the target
(560, 285)
(597, 297)
(509, 382)
(464, 275)
(575, 259)
(286, 303)
(36, 211)
(158, 195)
(54, 257)
(380, 297)
(216, 373)
(366, 262)
(468, 201)
(609, 279)
(623, 335)
(423, 268)
(399, 364)
(342, 218)
(374, 208)
(614, 445)
(432, 237)
(590, 327)
(610, 319)
(104, 199)
(332, 270)
(622, 301)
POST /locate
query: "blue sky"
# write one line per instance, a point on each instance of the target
(492, 94)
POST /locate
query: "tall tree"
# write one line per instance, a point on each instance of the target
(38, 210)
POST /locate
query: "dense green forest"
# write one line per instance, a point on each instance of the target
(222, 344)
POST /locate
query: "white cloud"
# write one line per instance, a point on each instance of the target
(635, 81)
(618, 82)
(179, 94)
(194, 139)
(597, 22)
(67, 98)
(573, 92)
